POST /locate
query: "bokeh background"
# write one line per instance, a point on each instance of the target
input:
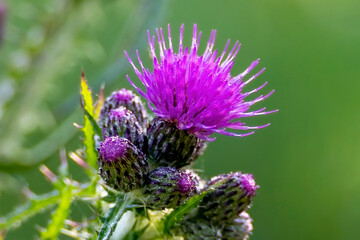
(307, 162)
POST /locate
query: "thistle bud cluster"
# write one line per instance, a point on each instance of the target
(154, 156)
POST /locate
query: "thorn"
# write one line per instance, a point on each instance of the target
(39, 228)
(2, 234)
(28, 193)
(64, 164)
(102, 90)
(73, 156)
(81, 103)
(67, 181)
(50, 176)
(78, 126)
(72, 223)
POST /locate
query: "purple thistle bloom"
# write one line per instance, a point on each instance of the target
(196, 91)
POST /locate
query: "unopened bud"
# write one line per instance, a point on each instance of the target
(199, 183)
(168, 187)
(171, 147)
(199, 229)
(228, 196)
(122, 165)
(129, 100)
(122, 122)
(239, 229)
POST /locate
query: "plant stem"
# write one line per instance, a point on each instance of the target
(122, 205)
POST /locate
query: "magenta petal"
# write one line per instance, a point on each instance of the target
(197, 91)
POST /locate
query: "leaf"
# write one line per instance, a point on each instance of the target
(89, 133)
(99, 103)
(115, 214)
(183, 209)
(34, 206)
(94, 124)
(59, 216)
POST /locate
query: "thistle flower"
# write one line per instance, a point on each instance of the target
(168, 187)
(169, 146)
(129, 100)
(239, 229)
(197, 92)
(122, 122)
(122, 166)
(229, 195)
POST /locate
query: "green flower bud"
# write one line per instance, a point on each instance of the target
(239, 229)
(122, 122)
(125, 98)
(198, 230)
(168, 187)
(228, 196)
(122, 166)
(171, 147)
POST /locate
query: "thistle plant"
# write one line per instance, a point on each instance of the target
(139, 164)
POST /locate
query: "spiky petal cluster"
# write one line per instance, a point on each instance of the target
(197, 91)
(168, 187)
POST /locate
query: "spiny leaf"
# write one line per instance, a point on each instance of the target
(59, 216)
(34, 206)
(183, 209)
(89, 133)
(94, 124)
(99, 103)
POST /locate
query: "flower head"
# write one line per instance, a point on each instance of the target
(168, 187)
(240, 228)
(227, 196)
(169, 146)
(122, 166)
(124, 98)
(122, 122)
(197, 92)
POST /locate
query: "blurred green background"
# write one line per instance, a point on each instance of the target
(307, 162)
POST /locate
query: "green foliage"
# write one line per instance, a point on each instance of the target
(34, 205)
(88, 130)
(94, 125)
(61, 46)
(176, 215)
(59, 216)
(99, 103)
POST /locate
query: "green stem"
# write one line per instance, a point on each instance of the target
(122, 205)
